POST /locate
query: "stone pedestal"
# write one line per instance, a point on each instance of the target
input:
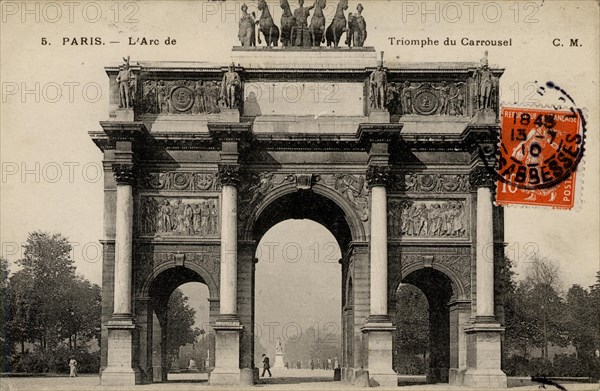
(119, 371)
(379, 347)
(484, 355)
(484, 117)
(126, 115)
(379, 116)
(227, 361)
(229, 115)
(278, 363)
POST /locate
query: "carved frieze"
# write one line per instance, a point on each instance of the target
(172, 97)
(182, 217)
(254, 187)
(440, 98)
(431, 183)
(180, 181)
(353, 188)
(427, 219)
(481, 177)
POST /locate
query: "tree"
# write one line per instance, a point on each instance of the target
(581, 320)
(412, 318)
(5, 345)
(180, 322)
(46, 276)
(542, 286)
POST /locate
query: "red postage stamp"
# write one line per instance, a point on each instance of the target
(538, 155)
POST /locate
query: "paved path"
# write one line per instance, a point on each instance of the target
(282, 380)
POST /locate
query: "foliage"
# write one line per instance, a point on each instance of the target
(412, 319)
(56, 361)
(180, 330)
(46, 303)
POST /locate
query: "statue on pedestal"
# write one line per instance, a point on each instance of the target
(247, 33)
(485, 84)
(230, 88)
(378, 87)
(126, 82)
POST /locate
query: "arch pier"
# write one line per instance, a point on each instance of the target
(387, 156)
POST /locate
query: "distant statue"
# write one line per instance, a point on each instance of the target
(279, 346)
(288, 23)
(126, 81)
(357, 29)
(267, 27)
(485, 84)
(300, 36)
(338, 25)
(317, 24)
(378, 87)
(247, 33)
(230, 87)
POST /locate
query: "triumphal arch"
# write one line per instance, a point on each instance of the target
(202, 159)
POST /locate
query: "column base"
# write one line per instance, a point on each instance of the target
(484, 356)
(227, 355)
(379, 351)
(119, 369)
(456, 376)
(484, 378)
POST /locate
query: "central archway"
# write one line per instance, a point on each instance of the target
(332, 211)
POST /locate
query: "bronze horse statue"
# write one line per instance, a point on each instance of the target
(266, 25)
(317, 23)
(288, 23)
(338, 25)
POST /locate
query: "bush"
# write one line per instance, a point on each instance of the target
(56, 361)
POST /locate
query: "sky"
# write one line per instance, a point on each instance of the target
(53, 94)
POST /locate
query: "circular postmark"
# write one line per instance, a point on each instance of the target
(539, 148)
(182, 98)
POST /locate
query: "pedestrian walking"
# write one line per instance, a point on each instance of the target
(266, 366)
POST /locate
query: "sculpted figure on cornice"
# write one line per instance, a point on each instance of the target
(179, 216)
(173, 97)
(357, 28)
(431, 183)
(127, 85)
(180, 181)
(428, 219)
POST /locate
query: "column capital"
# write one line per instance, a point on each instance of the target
(229, 174)
(124, 173)
(481, 177)
(378, 175)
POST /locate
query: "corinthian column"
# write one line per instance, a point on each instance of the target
(229, 177)
(379, 330)
(120, 369)
(377, 180)
(123, 239)
(228, 328)
(484, 346)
